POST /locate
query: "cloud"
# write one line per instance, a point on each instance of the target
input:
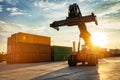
(46, 5)
(112, 36)
(86, 0)
(55, 15)
(9, 27)
(15, 11)
(113, 9)
(1, 0)
(111, 1)
(109, 30)
(49, 11)
(1, 9)
(52, 9)
(12, 2)
(108, 12)
(107, 7)
(81, 0)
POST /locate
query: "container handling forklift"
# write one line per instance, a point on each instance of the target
(88, 54)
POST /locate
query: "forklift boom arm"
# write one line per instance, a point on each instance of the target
(74, 21)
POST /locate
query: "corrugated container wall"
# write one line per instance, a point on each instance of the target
(60, 53)
(30, 38)
(24, 48)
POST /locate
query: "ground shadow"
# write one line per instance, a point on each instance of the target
(79, 72)
(4, 66)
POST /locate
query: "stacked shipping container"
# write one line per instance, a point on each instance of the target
(24, 48)
(114, 52)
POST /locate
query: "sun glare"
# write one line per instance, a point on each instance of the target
(99, 39)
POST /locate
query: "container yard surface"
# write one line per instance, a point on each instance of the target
(107, 69)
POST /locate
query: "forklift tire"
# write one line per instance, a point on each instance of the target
(83, 63)
(72, 60)
(96, 60)
(92, 60)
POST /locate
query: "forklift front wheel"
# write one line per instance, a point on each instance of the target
(72, 60)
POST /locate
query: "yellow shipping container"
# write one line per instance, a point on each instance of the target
(30, 38)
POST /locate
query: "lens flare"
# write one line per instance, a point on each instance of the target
(99, 39)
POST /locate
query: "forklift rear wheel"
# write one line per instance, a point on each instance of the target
(92, 60)
(72, 60)
(83, 63)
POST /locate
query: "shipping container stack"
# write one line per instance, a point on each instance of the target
(60, 53)
(28, 48)
(114, 52)
(1, 57)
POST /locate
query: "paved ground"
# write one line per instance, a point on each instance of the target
(107, 69)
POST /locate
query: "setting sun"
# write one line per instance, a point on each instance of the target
(99, 39)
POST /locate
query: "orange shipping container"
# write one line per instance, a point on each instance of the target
(26, 52)
(24, 48)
